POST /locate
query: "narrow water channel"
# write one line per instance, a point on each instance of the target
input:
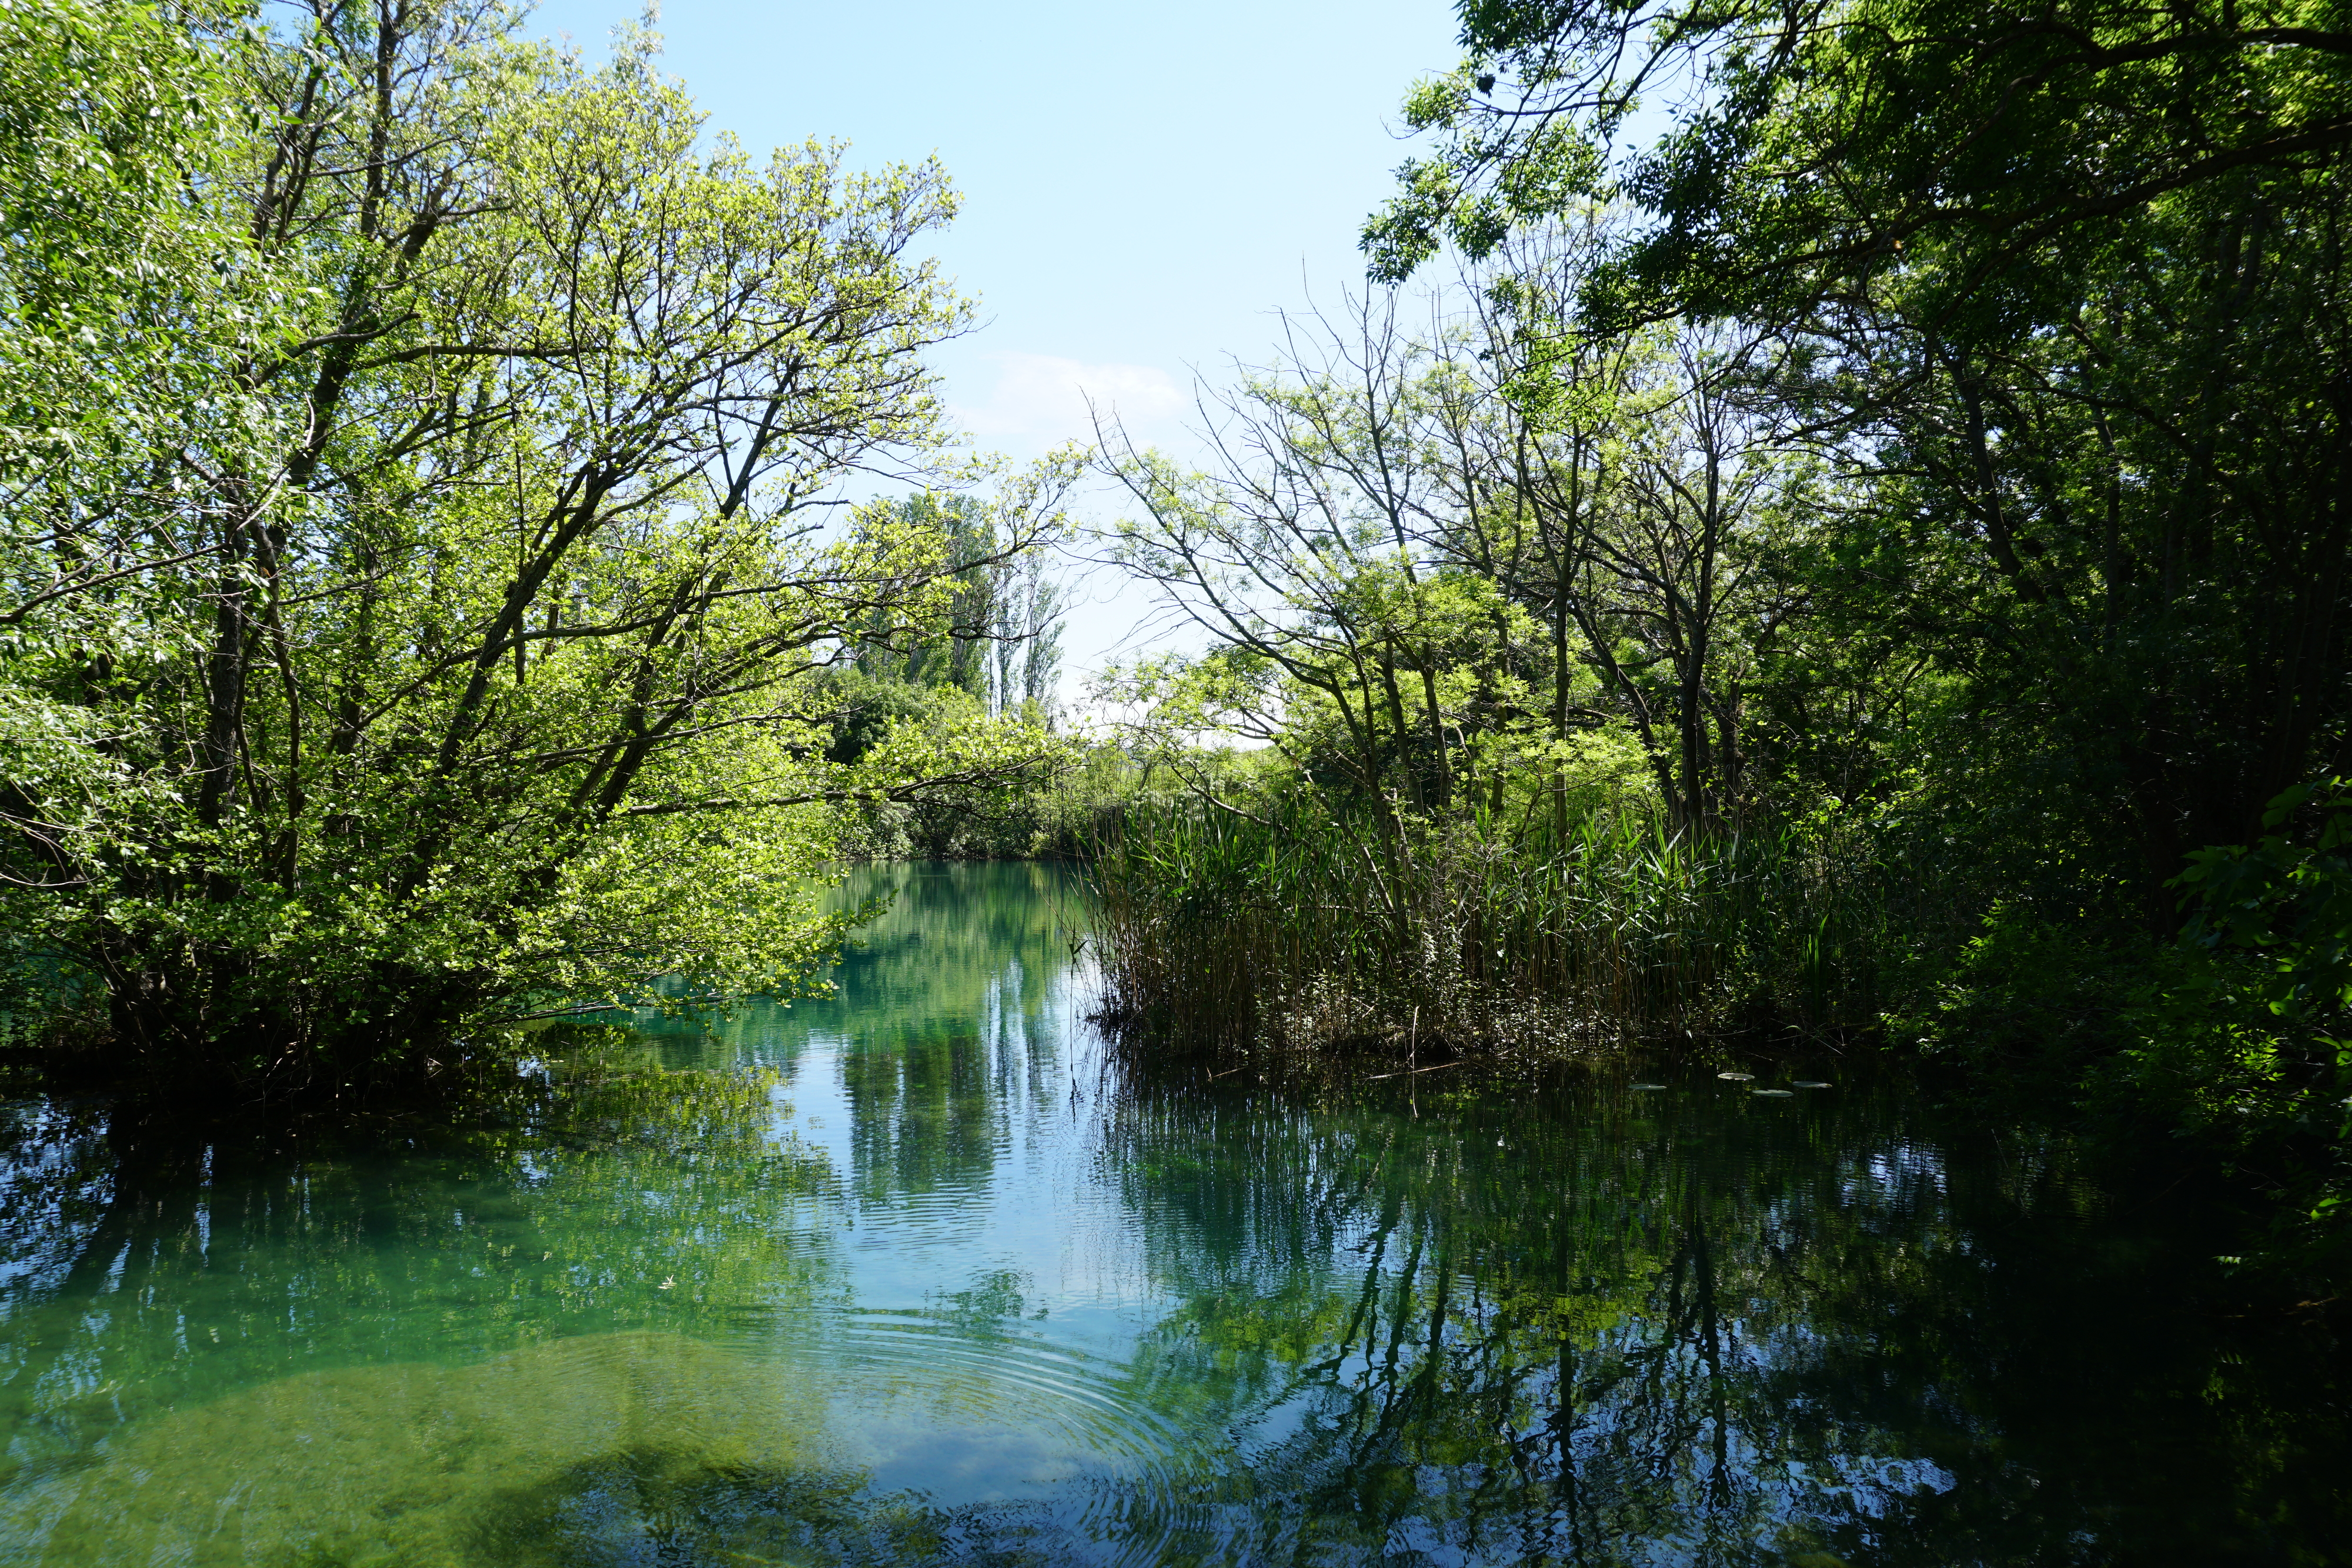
(910, 1275)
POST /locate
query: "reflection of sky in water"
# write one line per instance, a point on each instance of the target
(1036, 1211)
(952, 1268)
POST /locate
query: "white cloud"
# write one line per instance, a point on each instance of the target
(1041, 399)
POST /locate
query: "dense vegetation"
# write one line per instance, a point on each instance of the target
(427, 597)
(1828, 527)
(1854, 552)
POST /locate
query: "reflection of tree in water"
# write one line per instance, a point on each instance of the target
(940, 1006)
(949, 930)
(463, 1396)
(1693, 1331)
(655, 1506)
(1563, 1326)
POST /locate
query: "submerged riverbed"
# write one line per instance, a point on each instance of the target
(912, 1275)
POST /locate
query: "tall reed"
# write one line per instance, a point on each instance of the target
(1300, 924)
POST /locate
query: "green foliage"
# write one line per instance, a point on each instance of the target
(411, 611)
(2224, 1042)
(2289, 907)
(1054, 813)
(993, 652)
(992, 814)
(2243, 1036)
(2030, 1004)
(2057, 297)
(2059, 290)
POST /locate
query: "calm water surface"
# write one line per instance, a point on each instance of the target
(909, 1275)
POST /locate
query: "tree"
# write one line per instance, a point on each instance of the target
(1428, 562)
(1630, 483)
(1000, 643)
(1029, 638)
(475, 557)
(2062, 285)
(1341, 633)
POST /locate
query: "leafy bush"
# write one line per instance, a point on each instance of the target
(2243, 1040)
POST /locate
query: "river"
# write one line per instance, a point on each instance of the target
(916, 1273)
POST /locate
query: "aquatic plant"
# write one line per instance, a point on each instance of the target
(1303, 924)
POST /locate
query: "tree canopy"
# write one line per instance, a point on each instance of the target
(423, 542)
(2061, 289)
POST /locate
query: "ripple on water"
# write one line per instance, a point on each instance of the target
(967, 1412)
(937, 1214)
(1007, 1376)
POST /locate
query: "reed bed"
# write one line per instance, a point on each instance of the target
(1297, 927)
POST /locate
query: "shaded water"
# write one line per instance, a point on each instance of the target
(909, 1275)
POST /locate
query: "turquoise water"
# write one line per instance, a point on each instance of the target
(915, 1274)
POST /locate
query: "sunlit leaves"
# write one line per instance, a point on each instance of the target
(448, 597)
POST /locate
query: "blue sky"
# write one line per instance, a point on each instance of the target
(1143, 185)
